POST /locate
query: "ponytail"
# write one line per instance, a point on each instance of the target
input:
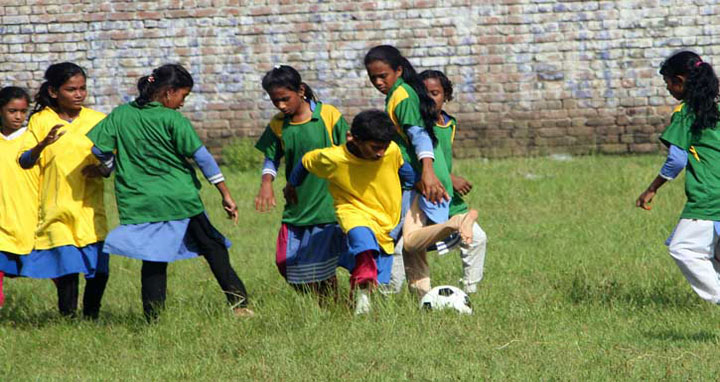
(701, 87)
(284, 76)
(391, 56)
(168, 76)
(55, 76)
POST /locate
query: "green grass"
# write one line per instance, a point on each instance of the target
(578, 286)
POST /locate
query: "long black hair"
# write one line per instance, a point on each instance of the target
(700, 89)
(391, 56)
(445, 82)
(10, 93)
(55, 76)
(284, 76)
(168, 76)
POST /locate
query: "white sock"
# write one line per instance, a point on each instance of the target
(362, 301)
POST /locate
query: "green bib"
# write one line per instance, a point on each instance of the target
(702, 173)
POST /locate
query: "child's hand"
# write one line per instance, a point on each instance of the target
(230, 208)
(431, 188)
(643, 201)
(290, 194)
(461, 185)
(96, 171)
(265, 199)
(52, 136)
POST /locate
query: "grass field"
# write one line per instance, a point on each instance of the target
(578, 286)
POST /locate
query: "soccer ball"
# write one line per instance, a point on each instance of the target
(444, 297)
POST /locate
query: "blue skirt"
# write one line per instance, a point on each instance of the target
(56, 262)
(359, 240)
(308, 254)
(163, 242)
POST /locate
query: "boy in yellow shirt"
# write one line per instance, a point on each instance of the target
(364, 180)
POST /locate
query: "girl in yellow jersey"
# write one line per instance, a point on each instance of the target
(71, 221)
(18, 189)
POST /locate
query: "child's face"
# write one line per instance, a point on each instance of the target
(71, 95)
(175, 98)
(676, 86)
(13, 114)
(369, 149)
(287, 100)
(436, 92)
(383, 76)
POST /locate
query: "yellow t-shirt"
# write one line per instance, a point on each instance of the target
(71, 205)
(366, 193)
(18, 198)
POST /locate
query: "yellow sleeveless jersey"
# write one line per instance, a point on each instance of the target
(18, 199)
(71, 207)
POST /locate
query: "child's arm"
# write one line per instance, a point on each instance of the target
(211, 170)
(104, 169)
(674, 164)
(430, 186)
(265, 198)
(297, 176)
(29, 158)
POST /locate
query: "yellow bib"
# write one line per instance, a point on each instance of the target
(18, 199)
(72, 211)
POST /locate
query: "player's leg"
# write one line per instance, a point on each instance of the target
(473, 259)
(67, 292)
(692, 247)
(153, 281)
(216, 254)
(92, 297)
(418, 235)
(2, 294)
(397, 273)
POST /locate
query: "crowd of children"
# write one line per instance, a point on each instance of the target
(372, 197)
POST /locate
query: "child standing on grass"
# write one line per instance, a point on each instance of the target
(693, 140)
(161, 214)
(364, 180)
(414, 115)
(472, 254)
(309, 240)
(71, 221)
(18, 188)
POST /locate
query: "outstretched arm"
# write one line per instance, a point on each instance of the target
(674, 164)
(212, 173)
(29, 158)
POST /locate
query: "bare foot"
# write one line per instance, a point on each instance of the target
(243, 312)
(466, 226)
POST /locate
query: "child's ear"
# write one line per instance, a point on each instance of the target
(52, 91)
(348, 137)
(301, 92)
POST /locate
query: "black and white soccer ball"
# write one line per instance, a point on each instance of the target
(446, 297)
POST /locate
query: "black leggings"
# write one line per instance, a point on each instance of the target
(67, 291)
(154, 274)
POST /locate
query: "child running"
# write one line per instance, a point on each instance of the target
(414, 115)
(161, 214)
(309, 240)
(18, 188)
(364, 180)
(472, 255)
(693, 141)
(71, 220)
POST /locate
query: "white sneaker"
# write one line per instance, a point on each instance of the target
(468, 288)
(362, 301)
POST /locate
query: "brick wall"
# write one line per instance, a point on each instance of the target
(531, 76)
